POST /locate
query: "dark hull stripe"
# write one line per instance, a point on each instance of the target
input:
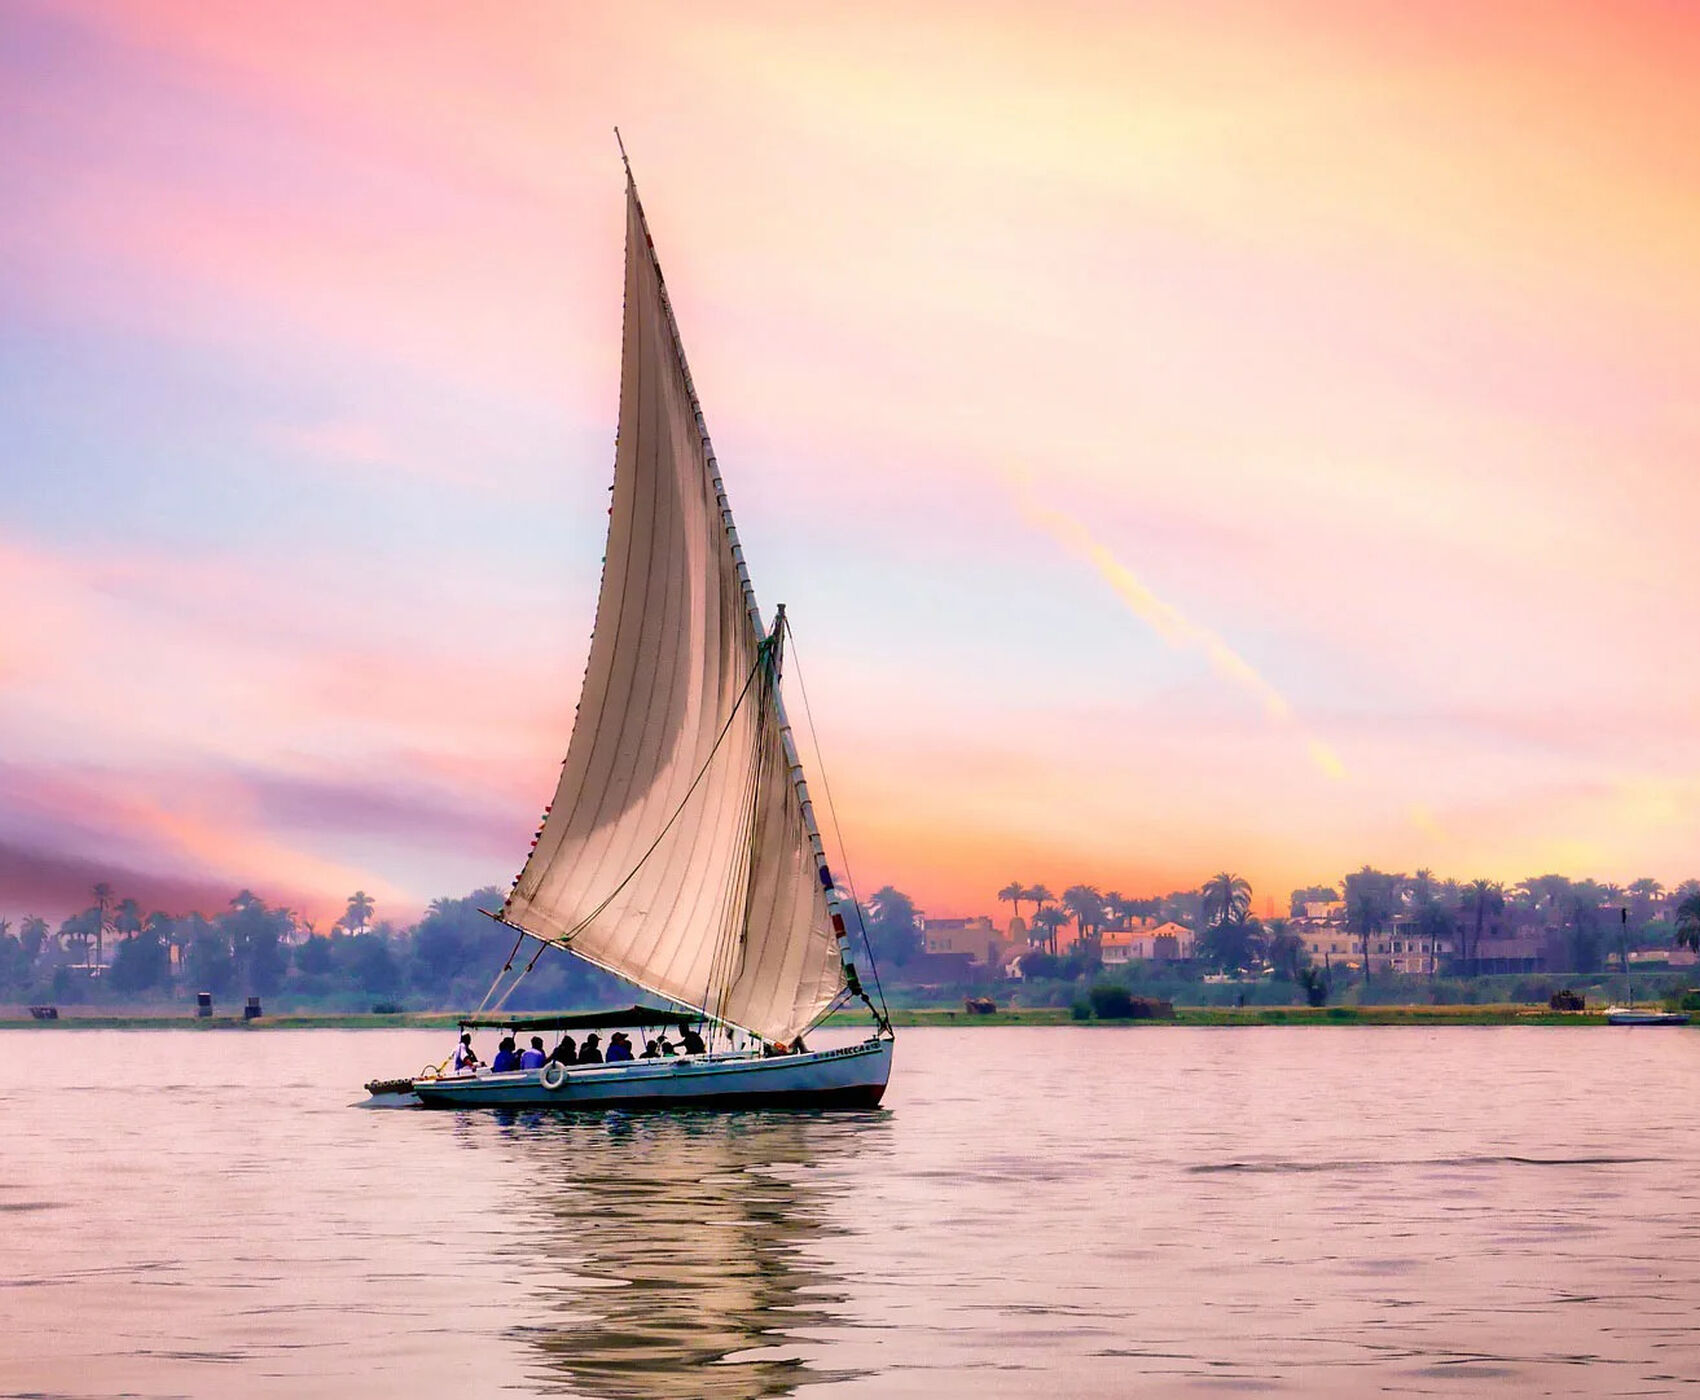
(852, 1096)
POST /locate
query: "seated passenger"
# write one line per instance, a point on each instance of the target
(666, 1044)
(566, 1053)
(507, 1058)
(533, 1058)
(466, 1058)
(798, 1048)
(590, 1053)
(650, 1051)
(692, 1042)
(619, 1047)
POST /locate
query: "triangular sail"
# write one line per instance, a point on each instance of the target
(675, 852)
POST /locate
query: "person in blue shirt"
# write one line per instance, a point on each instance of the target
(619, 1047)
(507, 1058)
(534, 1057)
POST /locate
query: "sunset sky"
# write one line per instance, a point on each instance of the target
(1187, 436)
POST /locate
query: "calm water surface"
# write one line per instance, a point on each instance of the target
(1049, 1212)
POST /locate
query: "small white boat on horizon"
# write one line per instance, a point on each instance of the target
(1643, 1016)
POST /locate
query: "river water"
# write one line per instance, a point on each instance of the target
(1036, 1212)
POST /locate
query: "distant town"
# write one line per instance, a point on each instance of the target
(1373, 937)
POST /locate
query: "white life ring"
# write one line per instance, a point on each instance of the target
(554, 1075)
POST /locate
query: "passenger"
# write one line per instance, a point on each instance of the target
(798, 1048)
(507, 1058)
(619, 1048)
(566, 1053)
(650, 1051)
(466, 1058)
(590, 1053)
(691, 1042)
(666, 1044)
(533, 1058)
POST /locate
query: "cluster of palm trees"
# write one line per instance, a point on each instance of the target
(1089, 909)
(84, 935)
(1444, 911)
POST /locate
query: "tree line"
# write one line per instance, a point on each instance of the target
(1591, 919)
(448, 957)
(249, 948)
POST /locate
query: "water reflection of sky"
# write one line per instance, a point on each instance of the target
(674, 1251)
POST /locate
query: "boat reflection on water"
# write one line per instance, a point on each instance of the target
(674, 1252)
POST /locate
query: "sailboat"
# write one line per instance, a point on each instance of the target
(681, 850)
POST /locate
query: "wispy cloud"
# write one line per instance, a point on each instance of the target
(1173, 626)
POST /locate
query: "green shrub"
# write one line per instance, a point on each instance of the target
(1111, 1003)
(1081, 1010)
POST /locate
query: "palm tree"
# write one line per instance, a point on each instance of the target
(1544, 889)
(102, 893)
(1013, 893)
(128, 918)
(1483, 897)
(1116, 909)
(1039, 896)
(1285, 949)
(74, 933)
(1422, 888)
(1644, 894)
(32, 933)
(1050, 918)
(1688, 922)
(1087, 906)
(359, 911)
(1227, 898)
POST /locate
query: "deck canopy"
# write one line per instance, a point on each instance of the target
(587, 1020)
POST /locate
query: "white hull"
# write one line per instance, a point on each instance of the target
(852, 1077)
(1630, 1016)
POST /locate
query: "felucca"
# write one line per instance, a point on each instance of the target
(681, 850)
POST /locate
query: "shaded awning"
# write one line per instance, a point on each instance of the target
(587, 1020)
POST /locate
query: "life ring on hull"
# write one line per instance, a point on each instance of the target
(554, 1075)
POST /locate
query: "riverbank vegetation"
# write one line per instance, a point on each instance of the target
(1578, 934)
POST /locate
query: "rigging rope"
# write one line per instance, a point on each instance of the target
(882, 1011)
(563, 940)
(734, 931)
(690, 792)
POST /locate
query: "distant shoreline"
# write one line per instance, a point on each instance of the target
(72, 1018)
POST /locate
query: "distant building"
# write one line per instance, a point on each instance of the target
(978, 937)
(1403, 947)
(1148, 941)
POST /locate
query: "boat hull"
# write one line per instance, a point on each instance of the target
(1629, 1017)
(848, 1078)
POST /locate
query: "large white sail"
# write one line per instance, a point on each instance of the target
(675, 852)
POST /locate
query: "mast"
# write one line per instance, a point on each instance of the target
(817, 847)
